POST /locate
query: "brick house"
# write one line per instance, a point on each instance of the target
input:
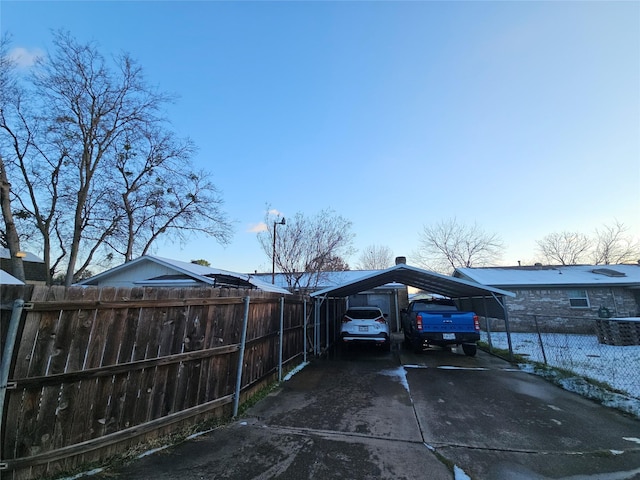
(562, 298)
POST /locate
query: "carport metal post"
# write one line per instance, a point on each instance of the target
(395, 299)
(243, 341)
(488, 321)
(281, 338)
(315, 320)
(506, 324)
(326, 343)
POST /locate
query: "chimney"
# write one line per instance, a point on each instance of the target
(401, 260)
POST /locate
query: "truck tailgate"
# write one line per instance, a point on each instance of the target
(455, 322)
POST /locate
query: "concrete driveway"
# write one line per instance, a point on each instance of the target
(366, 414)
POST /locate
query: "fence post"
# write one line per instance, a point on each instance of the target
(243, 341)
(7, 354)
(281, 338)
(544, 355)
(304, 330)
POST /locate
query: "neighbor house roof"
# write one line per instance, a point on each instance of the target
(29, 257)
(35, 271)
(554, 276)
(8, 279)
(149, 270)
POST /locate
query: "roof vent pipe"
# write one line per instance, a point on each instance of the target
(401, 260)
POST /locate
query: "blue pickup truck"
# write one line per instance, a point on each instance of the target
(437, 321)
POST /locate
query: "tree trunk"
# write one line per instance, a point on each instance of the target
(13, 241)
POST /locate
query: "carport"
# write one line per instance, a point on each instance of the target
(484, 300)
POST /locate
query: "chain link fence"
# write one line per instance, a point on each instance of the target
(606, 351)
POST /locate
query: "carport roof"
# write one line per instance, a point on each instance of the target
(414, 277)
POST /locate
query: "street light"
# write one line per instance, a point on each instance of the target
(273, 256)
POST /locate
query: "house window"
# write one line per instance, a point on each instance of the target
(578, 299)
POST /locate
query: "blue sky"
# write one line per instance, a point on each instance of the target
(521, 116)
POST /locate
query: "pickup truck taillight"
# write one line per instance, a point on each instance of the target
(476, 323)
(419, 322)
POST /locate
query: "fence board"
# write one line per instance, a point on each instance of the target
(98, 389)
(124, 337)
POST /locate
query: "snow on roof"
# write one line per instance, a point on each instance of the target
(8, 279)
(30, 257)
(325, 279)
(200, 273)
(558, 275)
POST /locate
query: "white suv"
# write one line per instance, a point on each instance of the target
(367, 325)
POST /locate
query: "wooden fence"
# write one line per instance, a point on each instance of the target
(95, 371)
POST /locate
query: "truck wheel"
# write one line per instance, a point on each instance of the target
(469, 349)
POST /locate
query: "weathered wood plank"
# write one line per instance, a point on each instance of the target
(96, 393)
(128, 325)
(57, 404)
(76, 402)
(100, 305)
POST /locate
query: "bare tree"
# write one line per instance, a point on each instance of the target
(306, 246)
(613, 245)
(157, 196)
(69, 176)
(565, 248)
(334, 263)
(448, 245)
(375, 257)
(10, 237)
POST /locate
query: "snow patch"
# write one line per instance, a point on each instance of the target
(459, 474)
(152, 451)
(451, 367)
(294, 371)
(582, 387)
(95, 471)
(399, 374)
(631, 439)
